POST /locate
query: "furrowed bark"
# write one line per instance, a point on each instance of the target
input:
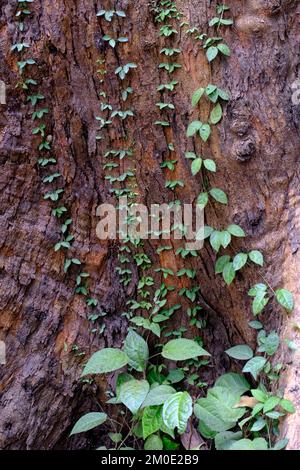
(256, 148)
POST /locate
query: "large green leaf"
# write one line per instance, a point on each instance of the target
(182, 349)
(177, 410)
(235, 383)
(246, 444)
(255, 366)
(153, 443)
(133, 393)
(105, 360)
(151, 420)
(137, 351)
(225, 439)
(285, 298)
(241, 352)
(158, 395)
(216, 410)
(88, 421)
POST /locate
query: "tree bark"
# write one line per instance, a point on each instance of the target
(256, 149)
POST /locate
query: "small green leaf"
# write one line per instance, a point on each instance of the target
(221, 263)
(202, 200)
(241, 352)
(285, 298)
(287, 405)
(270, 404)
(256, 257)
(255, 366)
(239, 261)
(236, 230)
(182, 349)
(104, 361)
(219, 196)
(224, 49)
(204, 132)
(216, 114)
(88, 421)
(210, 165)
(211, 53)
(228, 273)
(196, 166)
(193, 128)
(197, 96)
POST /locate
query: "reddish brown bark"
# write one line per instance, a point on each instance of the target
(256, 150)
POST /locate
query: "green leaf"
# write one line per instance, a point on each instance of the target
(259, 395)
(216, 410)
(204, 132)
(236, 230)
(211, 53)
(216, 114)
(210, 165)
(197, 96)
(257, 325)
(88, 421)
(241, 352)
(228, 273)
(219, 196)
(153, 443)
(202, 200)
(246, 444)
(104, 361)
(235, 383)
(255, 366)
(256, 257)
(287, 405)
(270, 404)
(224, 49)
(215, 240)
(285, 298)
(224, 440)
(137, 351)
(151, 420)
(280, 445)
(158, 395)
(196, 166)
(177, 411)
(182, 349)
(115, 437)
(225, 238)
(133, 393)
(221, 263)
(268, 343)
(193, 128)
(239, 261)
(259, 302)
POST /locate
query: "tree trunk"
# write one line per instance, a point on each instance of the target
(44, 324)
